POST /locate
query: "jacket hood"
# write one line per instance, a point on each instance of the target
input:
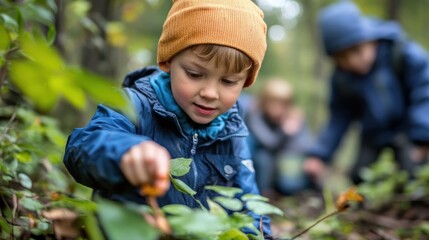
(342, 26)
(140, 81)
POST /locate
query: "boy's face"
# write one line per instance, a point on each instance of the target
(203, 90)
(276, 108)
(357, 59)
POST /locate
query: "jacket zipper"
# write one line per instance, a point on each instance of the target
(193, 165)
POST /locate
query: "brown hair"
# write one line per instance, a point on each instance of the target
(232, 59)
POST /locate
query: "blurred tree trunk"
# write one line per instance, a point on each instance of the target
(392, 8)
(311, 14)
(99, 57)
(319, 64)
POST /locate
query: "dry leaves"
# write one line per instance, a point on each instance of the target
(64, 222)
(344, 198)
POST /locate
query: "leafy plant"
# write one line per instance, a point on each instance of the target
(192, 223)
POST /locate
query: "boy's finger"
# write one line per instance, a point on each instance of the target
(163, 164)
(127, 169)
(150, 157)
(138, 165)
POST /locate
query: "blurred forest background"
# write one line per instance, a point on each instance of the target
(59, 58)
(113, 37)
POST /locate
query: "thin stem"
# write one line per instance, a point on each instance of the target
(314, 224)
(9, 124)
(3, 69)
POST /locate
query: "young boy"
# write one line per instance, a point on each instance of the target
(279, 138)
(209, 50)
(380, 80)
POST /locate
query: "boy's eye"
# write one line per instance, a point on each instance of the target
(193, 74)
(228, 82)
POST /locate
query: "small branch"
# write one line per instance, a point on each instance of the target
(9, 124)
(160, 220)
(15, 207)
(314, 224)
(3, 69)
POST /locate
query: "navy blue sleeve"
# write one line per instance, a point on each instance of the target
(417, 83)
(341, 116)
(93, 153)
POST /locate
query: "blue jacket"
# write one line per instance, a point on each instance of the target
(384, 102)
(93, 153)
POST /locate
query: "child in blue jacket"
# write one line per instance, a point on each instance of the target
(380, 80)
(209, 50)
(279, 138)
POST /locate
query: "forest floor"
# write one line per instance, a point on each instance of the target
(404, 217)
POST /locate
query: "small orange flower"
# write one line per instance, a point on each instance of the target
(344, 198)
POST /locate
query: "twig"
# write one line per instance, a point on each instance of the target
(160, 220)
(314, 224)
(9, 124)
(3, 69)
(15, 207)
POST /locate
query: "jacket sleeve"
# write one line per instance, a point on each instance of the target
(93, 153)
(245, 180)
(416, 74)
(341, 115)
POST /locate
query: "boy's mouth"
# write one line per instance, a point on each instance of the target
(204, 110)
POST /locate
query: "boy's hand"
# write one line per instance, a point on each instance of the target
(147, 164)
(419, 154)
(314, 167)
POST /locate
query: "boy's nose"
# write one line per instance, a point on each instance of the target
(209, 91)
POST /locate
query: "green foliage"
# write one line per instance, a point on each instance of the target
(37, 68)
(188, 223)
(124, 222)
(32, 178)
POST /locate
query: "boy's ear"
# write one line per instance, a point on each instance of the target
(167, 66)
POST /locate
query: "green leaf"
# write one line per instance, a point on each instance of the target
(62, 84)
(9, 22)
(92, 227)
(120, 222)
(256, 197)
(101, 90)
(4, 38)
(240, 220)
(198, 223)
(23, 72)
(176, 209)
(263, 208)
(81, 205)
(229, 203)
(216, 209)
(38, 13)
(37, 49)
(30, 204)
(233, 234)
(180, 166)
(182, 187)
(13, 165)
(4, 226)
(55, 136)
(23, 157)
(25, 180)
(225, 191)
(52, 32)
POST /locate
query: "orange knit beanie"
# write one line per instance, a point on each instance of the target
(233, 23)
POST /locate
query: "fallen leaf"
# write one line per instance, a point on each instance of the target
(344, 198)
(64, 222)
